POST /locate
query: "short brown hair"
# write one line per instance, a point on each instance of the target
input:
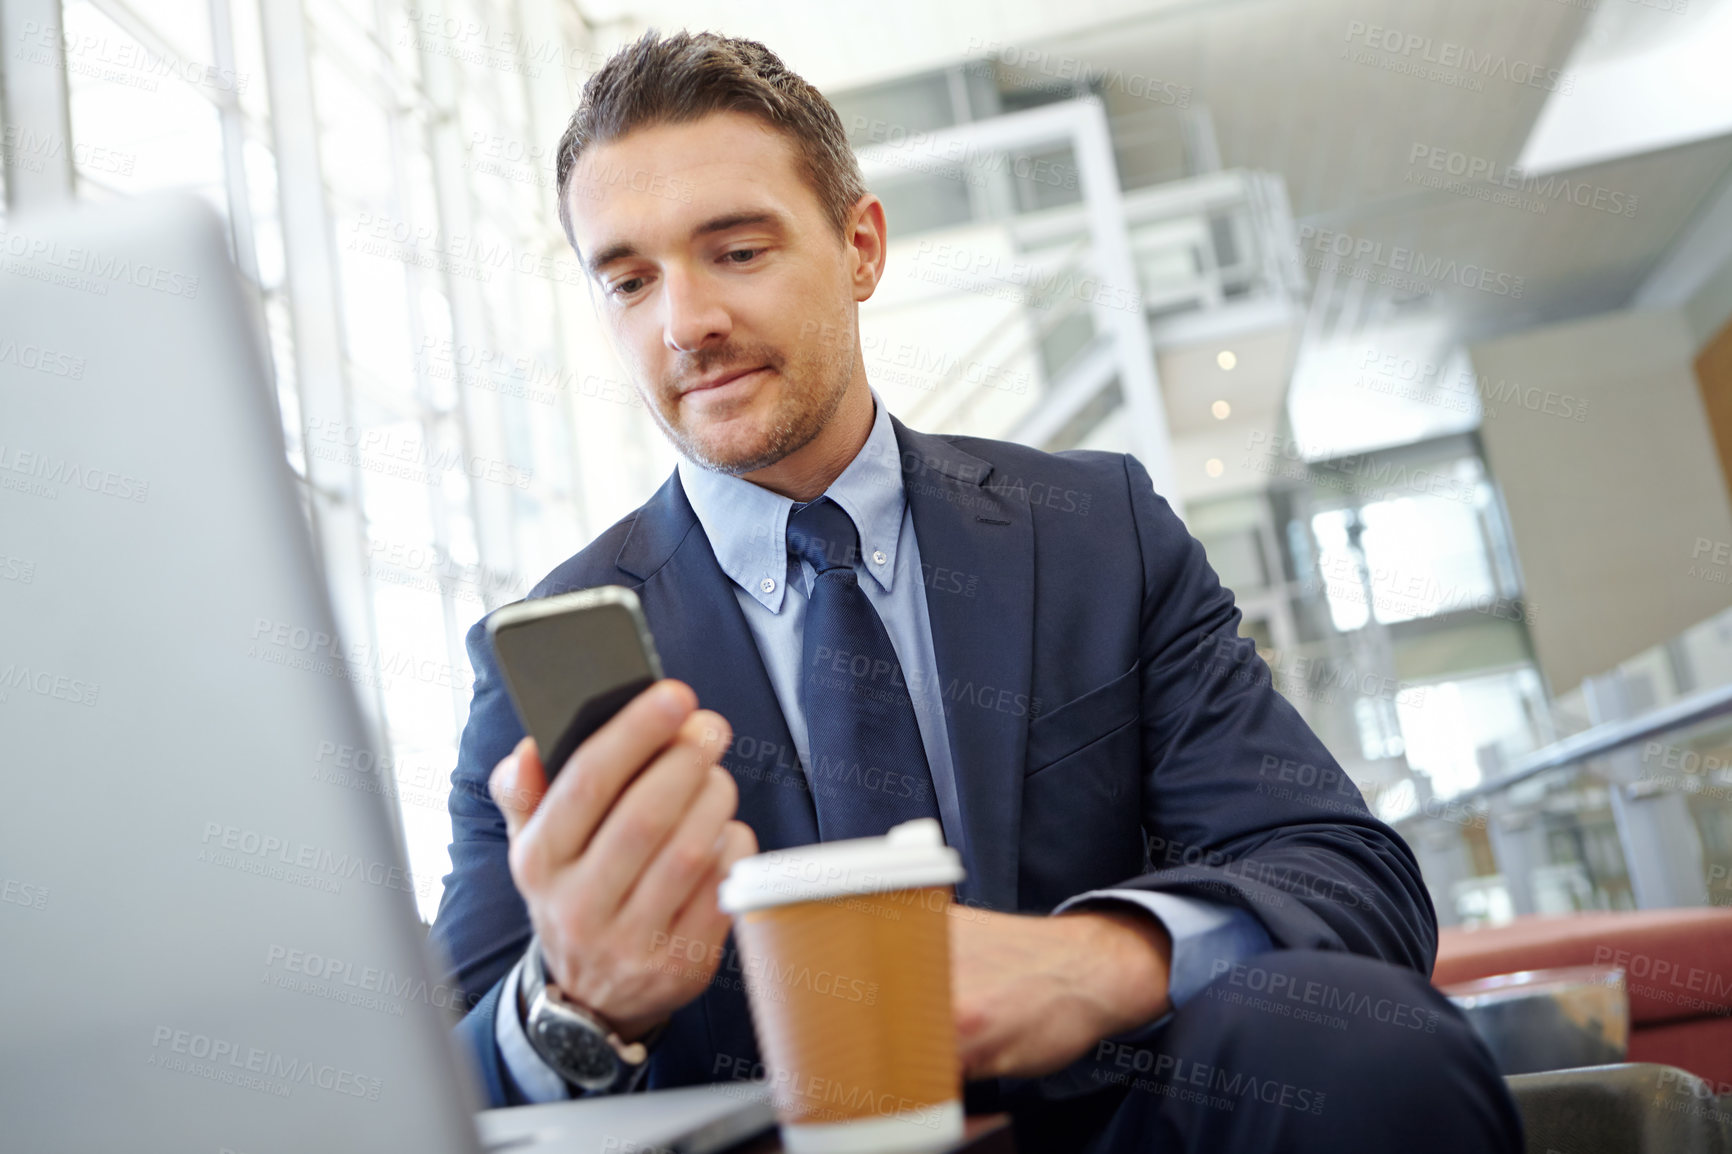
(686, 76)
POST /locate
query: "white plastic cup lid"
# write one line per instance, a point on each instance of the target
(910, 855)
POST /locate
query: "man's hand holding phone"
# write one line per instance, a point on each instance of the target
(620, 857)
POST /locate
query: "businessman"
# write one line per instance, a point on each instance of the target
(1180, 928)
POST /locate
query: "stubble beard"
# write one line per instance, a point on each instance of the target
(801, 414)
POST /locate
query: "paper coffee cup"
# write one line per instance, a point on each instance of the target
(846, 952)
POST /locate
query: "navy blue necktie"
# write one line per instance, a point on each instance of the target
(868, 766)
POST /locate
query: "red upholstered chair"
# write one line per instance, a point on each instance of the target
(1677, 963)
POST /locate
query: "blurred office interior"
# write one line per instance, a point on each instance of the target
(1418, 312)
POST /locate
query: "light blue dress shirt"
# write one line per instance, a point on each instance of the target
(747, 528)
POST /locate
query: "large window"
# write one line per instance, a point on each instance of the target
(1422, 554)
(458, 422)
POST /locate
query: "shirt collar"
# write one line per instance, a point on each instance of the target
(747, 524)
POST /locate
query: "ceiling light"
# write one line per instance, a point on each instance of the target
(1221, 409)
(1226, 360)
(1214, 467)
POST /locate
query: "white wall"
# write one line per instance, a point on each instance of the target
(1611, 480)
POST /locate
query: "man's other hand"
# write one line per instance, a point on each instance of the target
(1031, 994)
(619, 859)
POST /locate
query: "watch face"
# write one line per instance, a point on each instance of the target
(577, 1051)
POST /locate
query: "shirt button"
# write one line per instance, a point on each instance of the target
(878, 557)
(768, 584)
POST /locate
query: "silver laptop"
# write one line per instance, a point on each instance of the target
(208, 937)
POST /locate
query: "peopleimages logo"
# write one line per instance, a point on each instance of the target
(369, 987)
(1477, 176)
(40, 474)
(90, 268)
(1394, 264)
(31, 150)
(1395, 374)
(42, 360)
(1061, 66)
(253, 1067)
(46, 683)
(1423, 50)
(121, 60)
(289, 859)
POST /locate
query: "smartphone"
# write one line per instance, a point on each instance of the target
(572, 661)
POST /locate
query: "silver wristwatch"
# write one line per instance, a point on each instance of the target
(578, 1045)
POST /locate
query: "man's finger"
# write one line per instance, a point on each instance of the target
(688, 855)
(608, 759)
(700, 919)
(635, 830)
(517, 785)
(739, 841)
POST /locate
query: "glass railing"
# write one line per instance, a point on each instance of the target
(1632, 809)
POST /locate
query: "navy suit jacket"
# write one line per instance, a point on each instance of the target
(1109, 729)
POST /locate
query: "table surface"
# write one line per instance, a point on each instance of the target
(981, 1134)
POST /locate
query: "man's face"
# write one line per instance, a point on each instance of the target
(712, 256)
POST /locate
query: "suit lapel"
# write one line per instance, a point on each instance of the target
(983, 642)
(703, 639)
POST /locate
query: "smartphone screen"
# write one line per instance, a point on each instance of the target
(571, 662)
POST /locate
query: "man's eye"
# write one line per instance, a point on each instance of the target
(746, 252)
(626, 286)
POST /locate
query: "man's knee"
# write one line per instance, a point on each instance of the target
(1315, 1050)
(1364, 1035)
(1343, 1007)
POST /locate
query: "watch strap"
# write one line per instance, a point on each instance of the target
(537, 995)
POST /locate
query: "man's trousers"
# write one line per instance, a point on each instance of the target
(1294, 1051)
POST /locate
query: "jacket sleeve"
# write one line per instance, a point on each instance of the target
(1242, 803)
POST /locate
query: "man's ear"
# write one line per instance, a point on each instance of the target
(867, 241)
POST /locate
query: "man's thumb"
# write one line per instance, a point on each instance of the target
(517, 785)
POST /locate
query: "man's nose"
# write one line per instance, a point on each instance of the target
(694, 316)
